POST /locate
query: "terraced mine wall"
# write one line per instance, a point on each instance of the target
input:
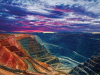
(14, 59)
(37, 51)
(89, 67)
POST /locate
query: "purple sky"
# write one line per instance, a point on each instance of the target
(50, 16)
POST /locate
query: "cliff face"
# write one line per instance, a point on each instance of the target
(10, 59)
(37, 51)
(14, 58)
(89, 67)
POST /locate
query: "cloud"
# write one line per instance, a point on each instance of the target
(91, 6)
(2, 31)
(51, 16)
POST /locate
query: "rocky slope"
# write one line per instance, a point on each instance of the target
(16, 58)
(89, 67)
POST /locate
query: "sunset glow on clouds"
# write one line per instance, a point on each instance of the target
(50, 16)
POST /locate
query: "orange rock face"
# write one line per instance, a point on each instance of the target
(12, 55)
(10, 43)
(10, 59)
(21, 36)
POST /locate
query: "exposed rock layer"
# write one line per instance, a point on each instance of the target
(89, 67)
(14, 58)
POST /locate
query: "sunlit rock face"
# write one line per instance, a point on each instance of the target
(16, 60)
(10, 59)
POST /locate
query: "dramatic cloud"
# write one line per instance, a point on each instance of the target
(50, 15)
